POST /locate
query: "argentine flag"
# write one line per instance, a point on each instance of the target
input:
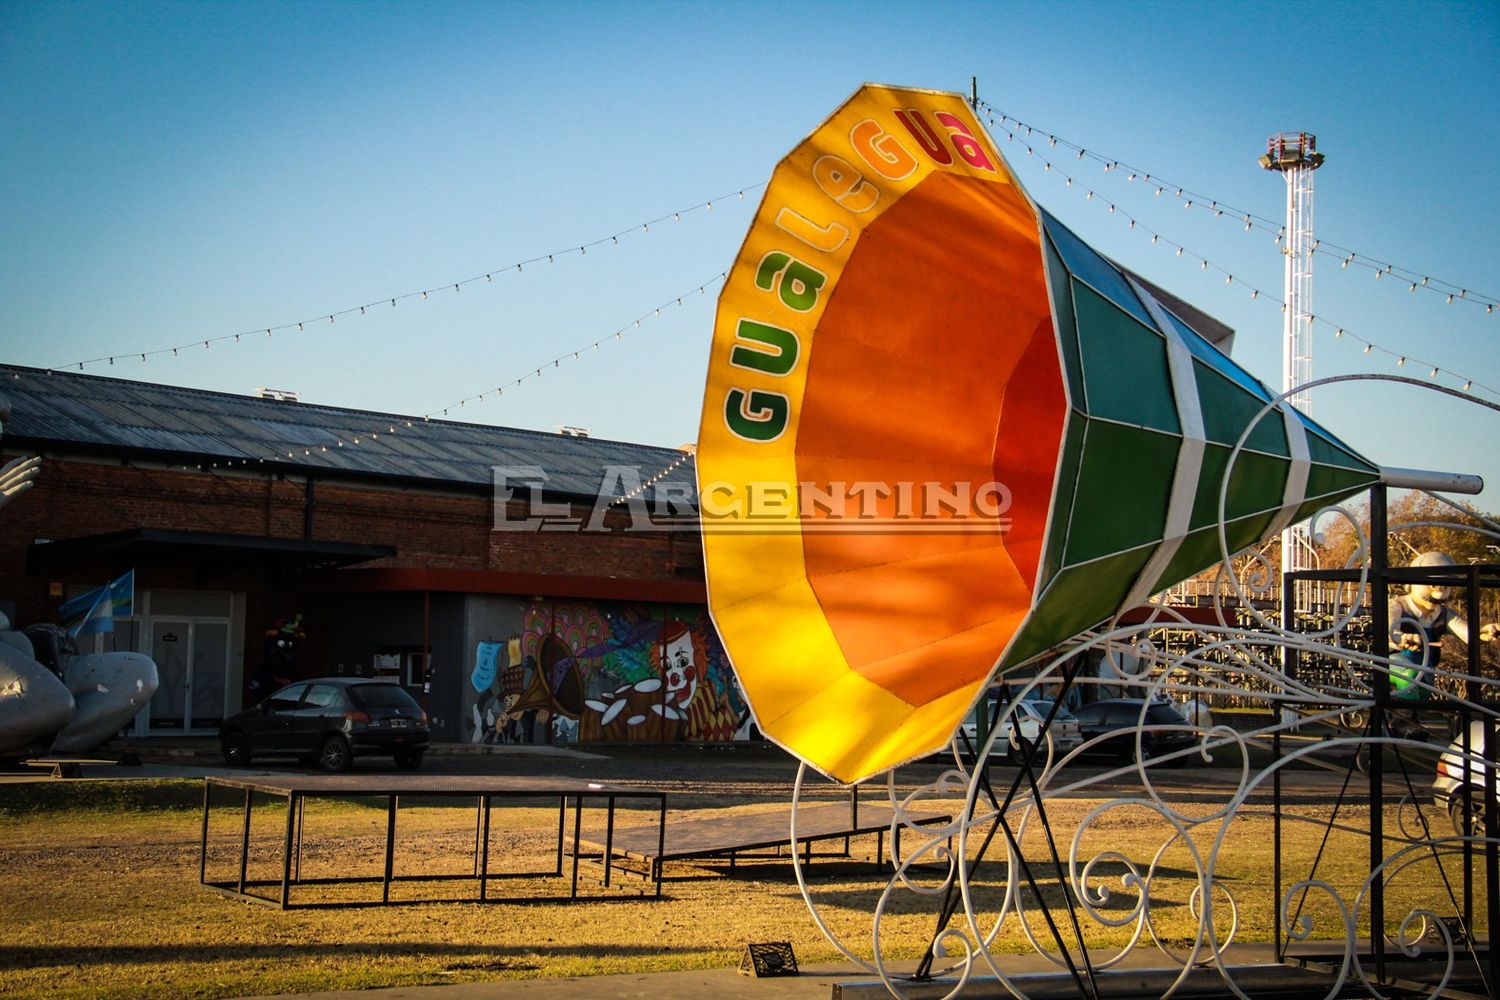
(95, 611)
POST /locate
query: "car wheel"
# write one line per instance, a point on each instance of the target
(334, 754)
(1020, 750)
(1463, 808)
(236, 749)
(409, 760)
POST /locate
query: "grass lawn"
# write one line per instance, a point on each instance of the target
(99, 895)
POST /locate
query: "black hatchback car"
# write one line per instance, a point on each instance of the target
(328, 721)
(1116, 720)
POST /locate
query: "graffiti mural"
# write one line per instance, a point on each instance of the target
(499, 679)
(605, 672)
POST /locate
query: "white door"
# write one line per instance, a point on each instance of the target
(192, 664)
(210, 669)
(170, 642)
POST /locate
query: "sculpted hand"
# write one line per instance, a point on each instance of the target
(16, 477)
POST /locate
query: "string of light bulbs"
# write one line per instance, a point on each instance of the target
(653, 479)
(1402, 359)
(1414, 280)
(390, 301)
(1346, 256)
(394, 426)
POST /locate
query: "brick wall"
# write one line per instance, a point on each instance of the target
(74, 498)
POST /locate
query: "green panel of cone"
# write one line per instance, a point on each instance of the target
(1076, 599)
(1257, 485)
(1067, 327)
(1124, 364)
(1121, 446)
(1123, 487)
(1228, 408)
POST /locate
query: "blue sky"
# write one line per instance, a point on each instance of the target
(172, 173)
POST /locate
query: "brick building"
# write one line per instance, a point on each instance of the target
(383, 533)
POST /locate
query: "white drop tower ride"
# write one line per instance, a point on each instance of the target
(1295, 155)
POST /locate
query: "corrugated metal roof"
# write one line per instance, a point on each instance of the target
(67, 410)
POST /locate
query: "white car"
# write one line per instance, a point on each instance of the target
(1460, 795)
(1029, 716)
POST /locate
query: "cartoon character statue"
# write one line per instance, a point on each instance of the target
(34, 702)
(109, 689)
(57, 698)
(1419, 619)
(278, 665)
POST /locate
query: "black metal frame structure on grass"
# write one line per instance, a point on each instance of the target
(485, 792)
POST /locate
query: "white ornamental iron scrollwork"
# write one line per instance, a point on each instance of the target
(1236, 662)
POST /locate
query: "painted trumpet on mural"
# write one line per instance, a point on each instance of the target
(942, 435)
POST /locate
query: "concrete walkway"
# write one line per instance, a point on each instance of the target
(707, 984)
(1144, 974)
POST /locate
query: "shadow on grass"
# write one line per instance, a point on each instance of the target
(985, 896)
(476, 956)
(137, 795)
(778, 871)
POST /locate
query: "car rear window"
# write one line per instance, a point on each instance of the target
(1091, 714)
(321, 696)
(1164, 715)
(286, 699)
(381, 696)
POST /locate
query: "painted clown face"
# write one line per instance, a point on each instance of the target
(678, 668)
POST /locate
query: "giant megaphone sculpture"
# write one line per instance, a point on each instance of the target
(941, 435)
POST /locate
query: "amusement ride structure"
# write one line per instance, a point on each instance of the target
(987, 447)
(1295, 156)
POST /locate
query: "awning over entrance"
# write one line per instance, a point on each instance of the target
(472, 581)
(144, 546)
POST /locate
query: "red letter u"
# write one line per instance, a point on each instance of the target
(925, 135)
